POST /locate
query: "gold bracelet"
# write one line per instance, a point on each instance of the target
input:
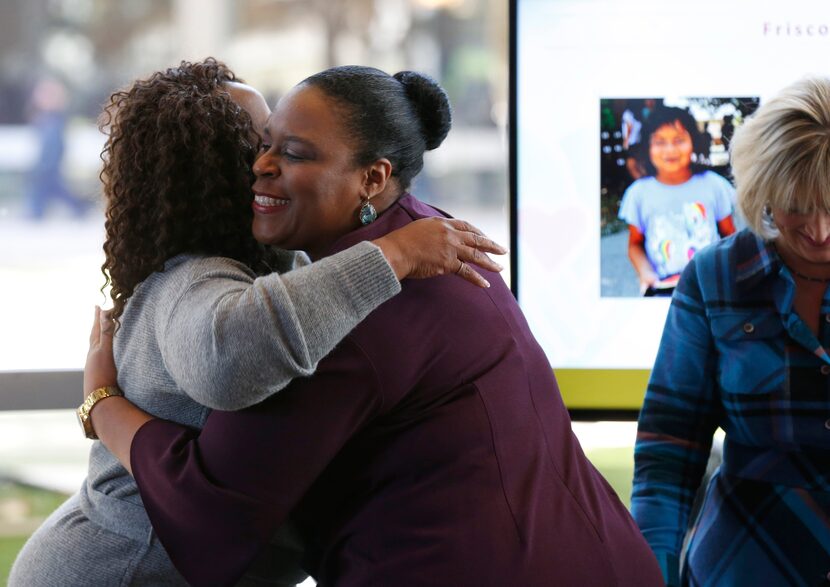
(85, 408)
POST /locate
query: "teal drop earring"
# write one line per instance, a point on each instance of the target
(367, 213)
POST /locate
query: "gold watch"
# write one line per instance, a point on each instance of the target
(85, 408)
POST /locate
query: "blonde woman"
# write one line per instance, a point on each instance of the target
(745, 349)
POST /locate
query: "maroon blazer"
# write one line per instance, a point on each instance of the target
(431, 447)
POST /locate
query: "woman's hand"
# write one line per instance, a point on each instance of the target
(438, 246)
(100, 364)
(114, 419)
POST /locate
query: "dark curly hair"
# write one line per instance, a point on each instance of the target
(177, 174)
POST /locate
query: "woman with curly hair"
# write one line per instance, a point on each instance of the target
(430, 447)
(205, 322)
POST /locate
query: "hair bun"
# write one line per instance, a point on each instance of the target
(431, 104)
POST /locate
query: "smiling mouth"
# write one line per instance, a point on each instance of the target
(815, 244)
(269, 202)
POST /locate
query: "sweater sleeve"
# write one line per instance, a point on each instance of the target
(230, 341)
(216, 497)
(677, 422)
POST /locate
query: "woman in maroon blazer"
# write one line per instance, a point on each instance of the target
(431, 447)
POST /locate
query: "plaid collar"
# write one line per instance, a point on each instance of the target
(754, 259)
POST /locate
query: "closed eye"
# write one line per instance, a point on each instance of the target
(292, 156)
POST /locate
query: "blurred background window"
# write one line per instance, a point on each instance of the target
(60, 60)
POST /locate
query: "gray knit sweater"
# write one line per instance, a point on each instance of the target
(207, 333)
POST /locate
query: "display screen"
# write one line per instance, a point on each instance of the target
(621, 118)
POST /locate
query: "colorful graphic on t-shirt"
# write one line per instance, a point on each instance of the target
(673, 238)
(677, 220)
(664, 250)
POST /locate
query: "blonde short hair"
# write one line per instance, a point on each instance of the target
(781, 155)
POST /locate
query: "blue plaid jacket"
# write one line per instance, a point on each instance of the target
(735, 354)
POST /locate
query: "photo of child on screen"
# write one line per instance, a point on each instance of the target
(678, 207)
